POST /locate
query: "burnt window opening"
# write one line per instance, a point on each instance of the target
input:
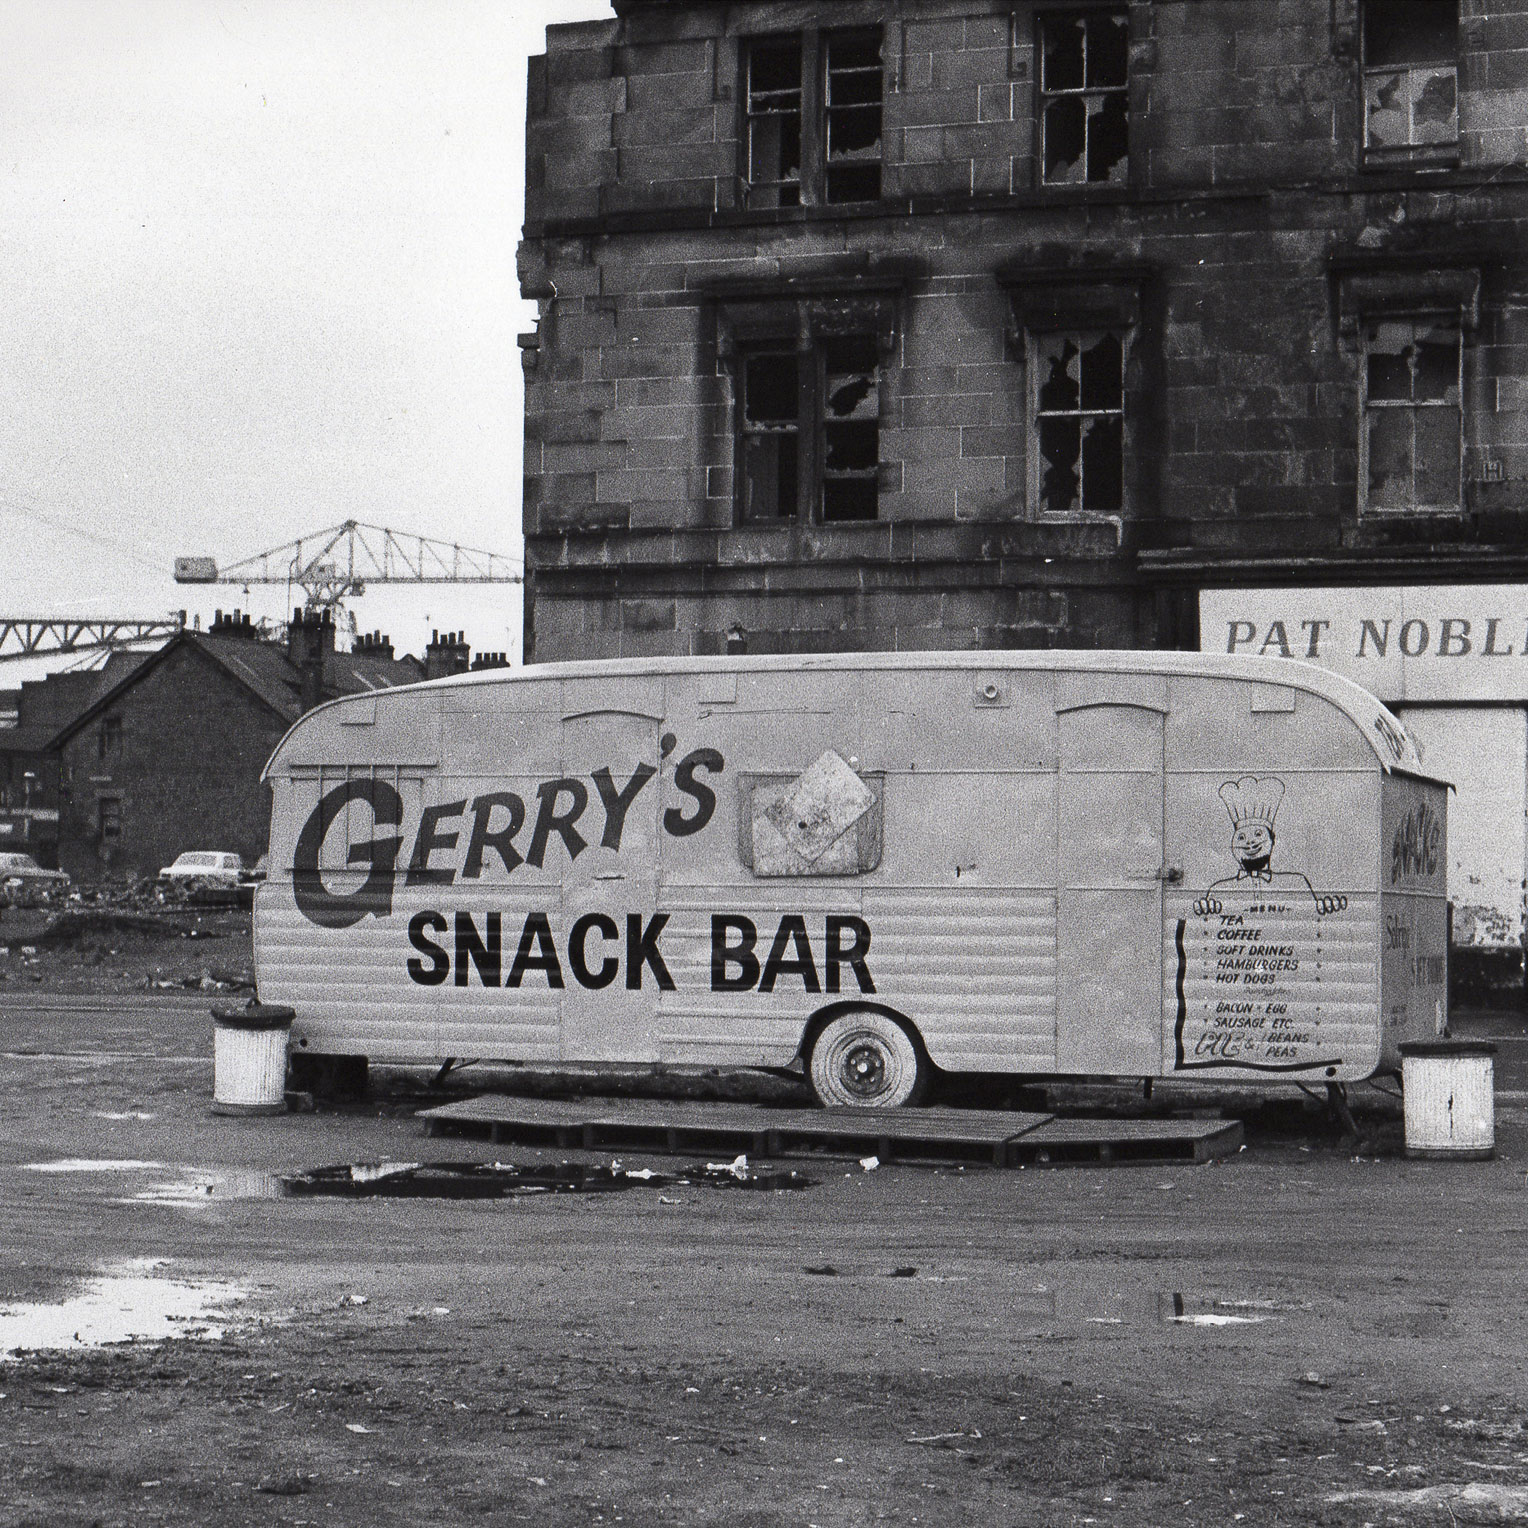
(774, 123)
(809, 431)
(1413, 419)
(1084, 98)
(109, 740)
(109, 818)
(852, 116)
(1410, 78)
(1079, 422)
(813, 108)
(771, 435)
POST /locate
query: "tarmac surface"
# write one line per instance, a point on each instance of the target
(1309, 1332)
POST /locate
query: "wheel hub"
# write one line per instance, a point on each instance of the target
(864, 1070)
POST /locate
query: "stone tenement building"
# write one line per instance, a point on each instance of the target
(961, 323)
(911, 323)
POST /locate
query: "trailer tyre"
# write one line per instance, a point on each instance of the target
(865, 1060)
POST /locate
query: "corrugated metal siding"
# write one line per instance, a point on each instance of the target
(365, 1002)
(974, 970)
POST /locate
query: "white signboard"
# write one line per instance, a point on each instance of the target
(1425, 642)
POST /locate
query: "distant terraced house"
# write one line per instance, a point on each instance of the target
(169, 758)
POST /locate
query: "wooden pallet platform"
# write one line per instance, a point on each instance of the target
(1002, 1138)
(1126, 1140)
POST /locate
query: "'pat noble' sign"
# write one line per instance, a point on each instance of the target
(1403, 643)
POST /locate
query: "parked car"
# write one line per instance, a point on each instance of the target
(24, 883)
(201, 867)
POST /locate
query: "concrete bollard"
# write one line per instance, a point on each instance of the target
(249, 1058)
(1449, 1098)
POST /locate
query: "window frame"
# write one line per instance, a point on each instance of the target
(815, 118)
(1050, 16)
(1444, 151)
(108, 819)
(809, 428)
(1390, 513)
(1034, 338)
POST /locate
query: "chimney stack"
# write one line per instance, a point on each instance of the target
(234, 624)
(310, 648)
(372, 644)
(445, 655)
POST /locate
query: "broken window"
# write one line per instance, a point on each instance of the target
(809, 430)
(110, 739)
(771, 432)
(812, 106)
(852, 140)
(1084, 98)
(1413, 421)
(774, 123)
(109, 818)
(1410, 78)
(1079, 421)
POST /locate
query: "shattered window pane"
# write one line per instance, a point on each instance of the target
(1411, 108)
(851, 433)
(1080, 421)
(1410, 74)
(1413, 420)
(1084, 100)
(852, 64)
(774, 123)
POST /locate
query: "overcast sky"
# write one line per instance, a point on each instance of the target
(257, 276)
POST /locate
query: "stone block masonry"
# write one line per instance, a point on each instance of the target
(1242, 259)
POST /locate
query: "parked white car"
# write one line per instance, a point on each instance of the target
(203, 867)
(24, 883)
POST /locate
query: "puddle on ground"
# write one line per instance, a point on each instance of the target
(1504, 1503)
(90, 1165)
(507, 1180)
(129, 1303)
(1092, 1302)
(191, 1187)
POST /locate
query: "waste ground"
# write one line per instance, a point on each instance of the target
(1306, 1333)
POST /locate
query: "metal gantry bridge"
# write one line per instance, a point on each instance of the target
(27, 637)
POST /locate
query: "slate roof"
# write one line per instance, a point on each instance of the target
(264, 669)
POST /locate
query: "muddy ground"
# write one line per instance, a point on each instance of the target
(1303, 1334)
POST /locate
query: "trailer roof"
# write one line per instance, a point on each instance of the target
(1390, 741)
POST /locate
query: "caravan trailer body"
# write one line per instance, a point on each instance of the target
(1098, 864)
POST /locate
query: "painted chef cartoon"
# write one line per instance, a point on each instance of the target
(1253, 804)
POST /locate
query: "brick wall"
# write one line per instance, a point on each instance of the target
(187, 774)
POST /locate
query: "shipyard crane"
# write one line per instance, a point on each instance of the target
(332, 565)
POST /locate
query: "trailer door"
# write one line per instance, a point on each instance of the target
(610, 891)
(1109, 838)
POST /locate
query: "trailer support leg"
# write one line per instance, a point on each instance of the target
(1337, 1106)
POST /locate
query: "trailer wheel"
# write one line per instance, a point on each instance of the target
(865, 1060)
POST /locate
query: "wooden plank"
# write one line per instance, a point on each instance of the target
(1124, 1141)
(499, 1108)
(1003, 1137)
